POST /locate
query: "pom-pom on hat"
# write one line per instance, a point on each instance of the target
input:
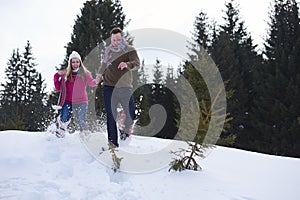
(74, 54)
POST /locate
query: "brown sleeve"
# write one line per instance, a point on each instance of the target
(134, 61)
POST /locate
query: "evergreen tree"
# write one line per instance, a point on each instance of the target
(277, 107)
(33, 92)
(201, 35)
(10, 95)
(142, 96)
(158, 76)
(171, 104)
(157, 94)
(160, 120)
(23, 96)
(38, 117)
(200, 42)
(200, 64)
(234, 53)
(143, 76)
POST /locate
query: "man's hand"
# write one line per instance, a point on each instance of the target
(122, 65)
(98, 78)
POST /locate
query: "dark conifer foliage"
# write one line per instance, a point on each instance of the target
(234, 53)
(23, 97)
(277, 105)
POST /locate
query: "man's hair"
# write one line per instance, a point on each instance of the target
(116, 30)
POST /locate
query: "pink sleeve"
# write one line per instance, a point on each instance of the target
(57, 81)
(90, 81)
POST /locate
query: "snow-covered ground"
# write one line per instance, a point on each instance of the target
(37, 166)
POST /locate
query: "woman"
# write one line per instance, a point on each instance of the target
(72, 83)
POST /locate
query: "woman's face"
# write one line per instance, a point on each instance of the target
(75, 63)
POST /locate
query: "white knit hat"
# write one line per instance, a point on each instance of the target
(74, 54)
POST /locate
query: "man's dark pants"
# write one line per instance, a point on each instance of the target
(112, 97)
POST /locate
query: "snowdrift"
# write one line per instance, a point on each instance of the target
(37, 166)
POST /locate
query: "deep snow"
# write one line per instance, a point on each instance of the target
(37, 166)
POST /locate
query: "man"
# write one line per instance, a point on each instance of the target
(115, 71)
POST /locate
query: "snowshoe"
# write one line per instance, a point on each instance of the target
(124, 131)
(61, 128)
(123, 135)
(60, 133)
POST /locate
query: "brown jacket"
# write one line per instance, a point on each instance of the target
(112, 76)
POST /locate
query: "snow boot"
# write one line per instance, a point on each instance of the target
(123, 135)
(126, 132)
(62, 128)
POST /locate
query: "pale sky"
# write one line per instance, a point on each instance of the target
(48, 24)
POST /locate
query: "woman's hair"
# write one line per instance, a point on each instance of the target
(82, 71)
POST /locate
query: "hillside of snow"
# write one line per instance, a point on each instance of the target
(38, 166)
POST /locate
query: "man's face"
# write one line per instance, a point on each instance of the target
(115, 39)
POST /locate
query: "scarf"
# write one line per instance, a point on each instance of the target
(111, 49)
(75, 71)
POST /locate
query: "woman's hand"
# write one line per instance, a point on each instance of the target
(98, 78)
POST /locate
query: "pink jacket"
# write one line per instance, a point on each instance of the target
(76, 90)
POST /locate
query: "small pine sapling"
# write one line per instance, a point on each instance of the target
(187, 158)
(116, 160)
